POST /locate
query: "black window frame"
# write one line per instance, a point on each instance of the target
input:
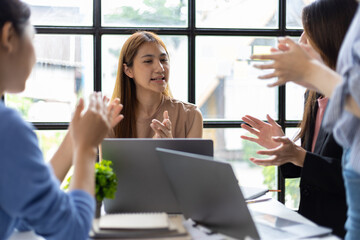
(191, 32)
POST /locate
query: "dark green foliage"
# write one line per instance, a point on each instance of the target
(105, 180)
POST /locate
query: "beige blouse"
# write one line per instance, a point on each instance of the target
(181, 115)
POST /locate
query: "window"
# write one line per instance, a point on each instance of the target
(210, 42)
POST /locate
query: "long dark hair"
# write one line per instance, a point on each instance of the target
(125, 88)
(16, 12)
(326, 23)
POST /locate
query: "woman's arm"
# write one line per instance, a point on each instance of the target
(62, 159)
(352, 106)
(297, 66)
(87, 131)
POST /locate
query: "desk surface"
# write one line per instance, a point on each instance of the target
(272, 207)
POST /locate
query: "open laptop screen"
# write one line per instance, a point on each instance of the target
(208, 192)
(142, 183)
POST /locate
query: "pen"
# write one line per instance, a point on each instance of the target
(258, 200)
(274, 190)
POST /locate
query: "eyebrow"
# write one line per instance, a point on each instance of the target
(150, 55)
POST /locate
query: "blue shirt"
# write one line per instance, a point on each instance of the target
(345, 125)
(30, 194)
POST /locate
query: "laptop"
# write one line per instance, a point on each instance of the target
(142, 183)
(208, 193)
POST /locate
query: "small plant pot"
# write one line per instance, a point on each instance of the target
(98, 209)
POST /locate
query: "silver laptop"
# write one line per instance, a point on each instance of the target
(142, 183)
(208, 192)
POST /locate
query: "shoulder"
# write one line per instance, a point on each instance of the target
(13, 126)
(182, 106)
(12, 122)
(17, 134)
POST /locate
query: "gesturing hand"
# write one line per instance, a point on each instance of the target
(115, 107)
(286, 152)
(289, 64)
(89, 128)
(162, 129)
(262, 130)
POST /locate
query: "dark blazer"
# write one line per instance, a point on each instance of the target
(322, 191)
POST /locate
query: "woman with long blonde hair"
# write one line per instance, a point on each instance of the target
(142, 87)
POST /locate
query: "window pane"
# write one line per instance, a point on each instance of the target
(293, 12)
(291, 133)
(292, 190)
(63, 73)
(49, 141)
(294, 98)
(145, 13)
(294, 101)
(177, 47)
(230, 147)
(61, 13)
(227, 85)
(237, 14)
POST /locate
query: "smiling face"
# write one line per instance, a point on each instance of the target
(150, 69)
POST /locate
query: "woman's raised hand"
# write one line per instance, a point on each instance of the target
(90, 127)
(115, 108)
(262, 130)
(162, 129)
(286, 152)
(290, 63)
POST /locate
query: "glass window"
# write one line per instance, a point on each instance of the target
(294, 101)
(227, 85)
(237, 14)
(177, 47)
(230, 147)
(293, 12)
(144, 13)
(63, 73)
(61, 13)
(292, 190)
(292, 193)
(294, 98)
(49, 141)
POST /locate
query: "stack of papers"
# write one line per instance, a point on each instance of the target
(274, 227)
(134, 221)
(138, 225)
(250, 193)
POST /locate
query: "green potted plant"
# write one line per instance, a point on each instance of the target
(105, 183)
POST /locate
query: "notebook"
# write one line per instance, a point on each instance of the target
(134, 221)
(142, 184)
(175, 229)
(208, 193)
